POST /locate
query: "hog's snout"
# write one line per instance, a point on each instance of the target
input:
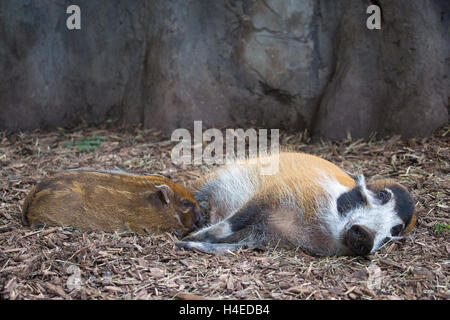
(359, 239)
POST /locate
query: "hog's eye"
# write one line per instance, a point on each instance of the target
(384, 196)
(396, 230)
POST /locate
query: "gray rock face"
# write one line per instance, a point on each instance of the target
(299, 65)
(393, 80)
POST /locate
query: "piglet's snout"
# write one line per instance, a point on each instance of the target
(359, 239)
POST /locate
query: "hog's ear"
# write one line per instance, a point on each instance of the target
(166, 192)
(360, 180)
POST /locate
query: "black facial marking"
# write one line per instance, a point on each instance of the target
(350, 200)
(396, 230)
(404, 203)
(384, 196)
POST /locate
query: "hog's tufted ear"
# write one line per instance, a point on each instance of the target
(166, 192)
(360, 180)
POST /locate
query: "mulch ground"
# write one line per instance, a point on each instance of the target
(65, 263)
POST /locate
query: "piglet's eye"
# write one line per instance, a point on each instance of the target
(384, 196)
(186, 203)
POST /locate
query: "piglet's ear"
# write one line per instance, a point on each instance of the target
(166, 192)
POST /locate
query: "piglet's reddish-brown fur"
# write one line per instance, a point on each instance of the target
(111, 201)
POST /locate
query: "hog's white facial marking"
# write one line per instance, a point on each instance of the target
(377, 215)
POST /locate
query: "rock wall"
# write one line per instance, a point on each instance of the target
(299, 64)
